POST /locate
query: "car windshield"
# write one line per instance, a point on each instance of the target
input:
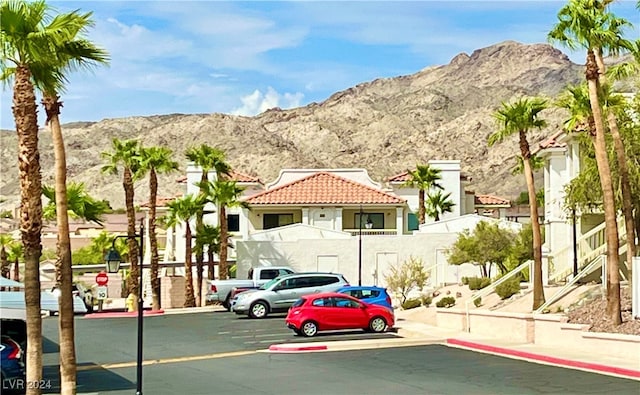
(270, 283)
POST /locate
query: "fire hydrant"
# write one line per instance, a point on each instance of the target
(130, 303)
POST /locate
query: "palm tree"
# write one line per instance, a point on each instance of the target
(79, 204)
(127, 154)
(438, 204)
(585, 24)
(27, 37)
(14, 255)
(209, 237)
(183, 210)
(208, 158)
(519, 118)
(424, 177)
(155, 160)
(224, 194)
(5, 242)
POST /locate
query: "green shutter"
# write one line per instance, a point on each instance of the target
(412, 220)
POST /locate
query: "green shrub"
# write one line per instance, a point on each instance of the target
(447, 301)
(465, 280)
(508, 288)
(426, 300)
(476, 283)
(477, 302)
(411, 304)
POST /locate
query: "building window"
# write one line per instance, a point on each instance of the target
(233, 222)
(370, 220)
(271, 221)
(413, 222)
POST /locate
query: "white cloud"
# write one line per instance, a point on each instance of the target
(258, 102)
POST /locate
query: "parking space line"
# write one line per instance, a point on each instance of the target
(253, 336)
(122, 365)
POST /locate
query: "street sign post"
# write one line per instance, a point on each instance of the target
(102, 278)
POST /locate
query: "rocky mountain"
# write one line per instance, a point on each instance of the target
(386, 126)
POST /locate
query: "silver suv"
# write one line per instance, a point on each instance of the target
(280, 293)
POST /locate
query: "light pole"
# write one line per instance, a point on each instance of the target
(111, 258)
(575, 243)
(360, 247)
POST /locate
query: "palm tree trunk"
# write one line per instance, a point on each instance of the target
(132, 280)
(625, 185)
(538, 288)
(25, 115)
(200, 251)
(421, 208)
(153, 240)
(16, 270)
(224, 271)
(63, 264)
(189, 299)
(611, 227)
(4, 263)
(211, 266)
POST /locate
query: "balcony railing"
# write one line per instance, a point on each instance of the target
(372, 232)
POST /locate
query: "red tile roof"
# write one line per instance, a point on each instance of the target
(235, 176)
(489, 200)
(161, 201)
(324, 188)
(552, 142)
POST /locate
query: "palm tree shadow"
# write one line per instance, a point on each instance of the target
(95, 379)
(49, 346)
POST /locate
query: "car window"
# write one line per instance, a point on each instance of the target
(369, 293)
(319, 281)
(269, 284)
(299, 302)
(344, 302)
(268, 274)
(284, 271)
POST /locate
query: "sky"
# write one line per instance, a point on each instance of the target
(243, 58)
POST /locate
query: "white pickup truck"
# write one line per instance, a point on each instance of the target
(220, 290)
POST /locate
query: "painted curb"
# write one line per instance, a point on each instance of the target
(294, 348)
(123, 314)
(548, 359)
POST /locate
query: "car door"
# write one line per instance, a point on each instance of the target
(349, 313)
(323, 313)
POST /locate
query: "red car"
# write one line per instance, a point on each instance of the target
(333, 311)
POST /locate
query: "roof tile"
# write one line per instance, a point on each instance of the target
(489, 200)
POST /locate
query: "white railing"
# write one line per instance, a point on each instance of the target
(491, 287)
(568, 287)
(372, 232)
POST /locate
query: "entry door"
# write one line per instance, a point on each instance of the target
(384, 261)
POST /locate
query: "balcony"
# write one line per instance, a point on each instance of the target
(372, 232)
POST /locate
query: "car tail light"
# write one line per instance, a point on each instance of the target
(389, 299)
(15, 354)
(213, 288)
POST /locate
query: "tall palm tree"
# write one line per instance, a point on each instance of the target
(518, 118)
(184, 210)
(126, 154)
(155, 160)
(438, 204)
(208, 158)
(424, 177)
(5, 242)
(224, 194)
(15, 253)
(584, 24)
(79, 204)
(28, 37)
(209, 237)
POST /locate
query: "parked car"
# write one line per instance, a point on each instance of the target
(220, 290)
(372, 295)
(12, 364)
(281, 293)
(14, 298)
(82, 297)
(336, 311)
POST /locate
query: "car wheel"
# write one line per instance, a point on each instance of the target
(258, 310)
(309, 329)
(377, 324)
(227, 304)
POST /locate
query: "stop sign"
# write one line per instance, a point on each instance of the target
(102, 278)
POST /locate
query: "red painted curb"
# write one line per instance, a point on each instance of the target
(546, 358)
(123, 314)
(290, 348)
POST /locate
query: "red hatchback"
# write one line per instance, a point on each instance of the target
(335, 311)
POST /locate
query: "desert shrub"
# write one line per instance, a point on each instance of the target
(447, 301)
(405, 277)
(465, 280)
(426, 300)
(411, 304)
(508, 288)
(476, 283)
(477, 302)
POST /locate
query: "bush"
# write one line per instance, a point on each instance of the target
(476, 283)
(411, 304)
(508, 288)
(465, 280)
(477, 302)
(447, 301)
(426, 300)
